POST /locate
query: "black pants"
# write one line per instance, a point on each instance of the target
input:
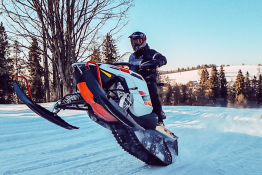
(157, 107)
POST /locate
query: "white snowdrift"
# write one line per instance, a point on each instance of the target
(211, 141)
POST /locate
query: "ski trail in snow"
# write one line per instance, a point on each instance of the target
(211, 141)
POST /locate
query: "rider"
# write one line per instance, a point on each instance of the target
(143, 53)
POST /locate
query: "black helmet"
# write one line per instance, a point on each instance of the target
(138, 40)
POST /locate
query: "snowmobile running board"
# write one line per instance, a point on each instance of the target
(42, 112)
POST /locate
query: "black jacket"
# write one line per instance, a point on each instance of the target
(146, 54)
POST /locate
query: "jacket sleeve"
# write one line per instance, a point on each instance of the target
(160, 59)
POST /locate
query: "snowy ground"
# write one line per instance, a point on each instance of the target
(211, 141)
(230, 72)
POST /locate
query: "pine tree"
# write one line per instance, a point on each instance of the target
(184, 97)
(231, 95)
(36, 72)
(239, 88)
(190, 93)
(247, 88)
(213, 86)
(176, 94)
(253, 97)
(222, 81)
(19, 64)
(109, 52)
(204, 79)
(259, 90)
(166, 91)
(16, 58)
(202, 99)
(168, 96)
(5, 78)
(96, 55)
(239, 83)
(19, 67)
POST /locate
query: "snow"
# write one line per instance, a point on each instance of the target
(230, 73)
(212, 140)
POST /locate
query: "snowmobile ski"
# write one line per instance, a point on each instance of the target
(52, 117)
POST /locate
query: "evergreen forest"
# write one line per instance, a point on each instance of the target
(46, 82)
(214, 90)
(32, 66)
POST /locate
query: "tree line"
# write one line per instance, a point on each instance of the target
(65, 32)
(187, 69)
(198, 67)
(12, 64)
(214, 90)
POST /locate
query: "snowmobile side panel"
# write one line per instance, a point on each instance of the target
(100, 121)
(99, 95)
(42, 112)
(97, 108)
(110, 105)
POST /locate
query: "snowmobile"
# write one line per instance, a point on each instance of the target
(116, 97)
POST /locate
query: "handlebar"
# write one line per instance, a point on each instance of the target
(136, 67)
(122, 64)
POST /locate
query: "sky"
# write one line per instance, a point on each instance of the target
(191, 33)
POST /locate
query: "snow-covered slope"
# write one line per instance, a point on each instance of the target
(230, 72)
(211, 141)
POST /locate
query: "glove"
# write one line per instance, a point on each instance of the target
(151, 63)
(157, 63)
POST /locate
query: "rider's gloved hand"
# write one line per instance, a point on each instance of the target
(157, 63)
(150, 64)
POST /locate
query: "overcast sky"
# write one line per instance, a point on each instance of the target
(190, 32)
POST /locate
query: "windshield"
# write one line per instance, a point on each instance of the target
(124, 57)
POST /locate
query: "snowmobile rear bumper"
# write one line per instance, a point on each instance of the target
(42, 112)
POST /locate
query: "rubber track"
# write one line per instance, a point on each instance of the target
(130, 143)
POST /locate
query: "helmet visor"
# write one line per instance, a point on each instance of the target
(136, 42)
